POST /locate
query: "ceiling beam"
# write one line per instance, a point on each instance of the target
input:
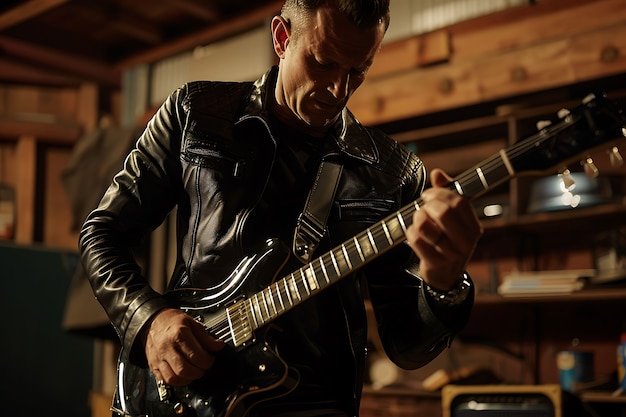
(26, 11)
(137, 29)
(41, 58)
(19, 72)
(206, 11)
(214, 33)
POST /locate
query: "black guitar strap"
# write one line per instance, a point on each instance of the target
(312, 222)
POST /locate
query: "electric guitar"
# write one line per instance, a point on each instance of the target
(249, 370)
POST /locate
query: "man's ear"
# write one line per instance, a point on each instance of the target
(281, 31)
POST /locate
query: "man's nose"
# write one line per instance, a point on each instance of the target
(339, 85)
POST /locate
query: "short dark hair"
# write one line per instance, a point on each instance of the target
(363, 13)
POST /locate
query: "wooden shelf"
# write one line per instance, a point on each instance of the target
(606, 214)
(589, 294)
(601, 397)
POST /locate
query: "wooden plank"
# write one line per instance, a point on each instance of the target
(599, 54)
(26, 153)
(543, 66)
(411, 53)
(57, 211)
(415, 92)
(26, 11)
(87, 114)
(542, 24)
(531, 69)
(13, 128)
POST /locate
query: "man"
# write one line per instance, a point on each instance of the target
(238, 161)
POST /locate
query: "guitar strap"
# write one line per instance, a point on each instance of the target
(312, 222)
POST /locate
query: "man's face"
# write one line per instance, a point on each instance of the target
(321, 67)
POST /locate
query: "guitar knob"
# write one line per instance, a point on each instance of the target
(590, 168)
(568, 181)
(615, 158)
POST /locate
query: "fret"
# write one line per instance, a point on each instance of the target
(266, 305)
(280, 298)
(308, 274)
(293, 288)
(395, 230)
(358, 248)
(401, 221)
(303, 281)
(316, 272)
(364, 246)
(287, 292)
(344, 251)
(332, 257)
(271, 298)
(458, 187)
(386, 230)
(498, 170)
(505, 160)
(257, 307)
(372, 241)
(482, 178)
(323, 267)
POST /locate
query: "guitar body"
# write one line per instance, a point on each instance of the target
(242, 375)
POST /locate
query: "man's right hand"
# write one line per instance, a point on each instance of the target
(178, 348)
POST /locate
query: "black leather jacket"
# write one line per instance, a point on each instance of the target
(209, 152)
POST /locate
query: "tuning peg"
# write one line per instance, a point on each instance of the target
(615, 158)
(589, 98)
(542, 124)
(568, 181)
(563, 113)
(590, 168)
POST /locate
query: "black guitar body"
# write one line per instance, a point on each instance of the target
(242, 375)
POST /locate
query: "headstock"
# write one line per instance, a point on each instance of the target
(573, 135)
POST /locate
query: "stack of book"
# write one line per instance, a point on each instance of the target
(544, 282)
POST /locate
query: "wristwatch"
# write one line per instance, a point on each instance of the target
(454, 296)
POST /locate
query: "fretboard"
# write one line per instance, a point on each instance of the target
(285, 293)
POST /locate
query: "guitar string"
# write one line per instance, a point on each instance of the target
(490, 165)
(379, 235)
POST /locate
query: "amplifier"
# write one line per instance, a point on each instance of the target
(501, 400)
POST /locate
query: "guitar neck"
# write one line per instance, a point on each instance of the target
(289, 291)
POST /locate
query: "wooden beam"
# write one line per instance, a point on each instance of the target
(26, 11)
(137, 28)
(205, 10)
(26, 153)
(39, 57)
(11, 127)
(214, 33)
(27, 73)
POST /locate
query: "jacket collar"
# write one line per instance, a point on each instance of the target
(352, 138)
